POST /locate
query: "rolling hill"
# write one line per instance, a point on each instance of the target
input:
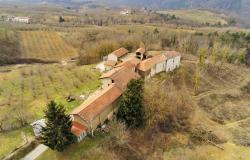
(240, 9)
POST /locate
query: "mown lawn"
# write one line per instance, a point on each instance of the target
(25, 91)
(13, 139)
(75, 151)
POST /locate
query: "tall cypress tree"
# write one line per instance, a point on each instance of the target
(57, 133)
(131, 109)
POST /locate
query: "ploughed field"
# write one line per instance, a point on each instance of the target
(26, 89)
(45, 45)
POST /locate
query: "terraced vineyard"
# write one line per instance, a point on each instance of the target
(25, 90)
(45, 45)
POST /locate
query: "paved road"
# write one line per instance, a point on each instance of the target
(36, 152)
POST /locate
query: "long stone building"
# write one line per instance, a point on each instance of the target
(102, 106)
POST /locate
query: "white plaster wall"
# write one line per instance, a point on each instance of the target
(170, 64)
(177, 61)
(112, 57)
(153, 71)
(160, 67)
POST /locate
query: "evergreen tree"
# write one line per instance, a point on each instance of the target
(61, 19)
(57, 133)
(131, 109)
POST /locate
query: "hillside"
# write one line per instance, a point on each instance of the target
(197, 16)
(239, 9)
(211, 124)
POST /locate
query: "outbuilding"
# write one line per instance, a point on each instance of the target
(117, 54)
(95, 111)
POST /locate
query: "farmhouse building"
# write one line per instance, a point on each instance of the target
(18, 19)
(109, 64)
(152, 66)
(95, 111)
(173, 60)
(117, 54)
(120, 76)
(131, 63)
(163, 62)
(102, 106)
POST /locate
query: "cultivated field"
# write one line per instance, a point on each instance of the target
(197, 16)
(25, 90)
(46, 46)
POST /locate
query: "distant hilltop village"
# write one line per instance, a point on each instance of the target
(118, 69)
(26, 20)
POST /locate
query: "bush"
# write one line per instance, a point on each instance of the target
(168, 104)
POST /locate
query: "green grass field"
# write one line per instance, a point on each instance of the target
(75, 151)
(197, 16)
(46, 46)
(25, 91)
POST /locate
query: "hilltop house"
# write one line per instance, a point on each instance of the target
(117, 54)
(131, 63)
(120, 76)
(18, 19)
(95, 111)
(163, 62)
(173, 60)
(102, 106)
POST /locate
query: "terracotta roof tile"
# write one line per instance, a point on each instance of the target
(110, 63)
(110, 73)
(130, 63)
(95, 105)
(120, 52)
(121, 76)
(149, 63)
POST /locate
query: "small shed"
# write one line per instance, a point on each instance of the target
(117, 54)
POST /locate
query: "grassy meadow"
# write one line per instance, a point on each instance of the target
(76, 151)
(45, 45)
(197, 16)
(26, 89)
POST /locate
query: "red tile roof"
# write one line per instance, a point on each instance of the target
(149, 63)
(121, 76)
(120, 52)
(141, 50)
(130, 63)
(77, 129)
(92, 107)
(110, 63)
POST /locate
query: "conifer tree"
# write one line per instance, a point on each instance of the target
(57, 133)
(131, 109)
